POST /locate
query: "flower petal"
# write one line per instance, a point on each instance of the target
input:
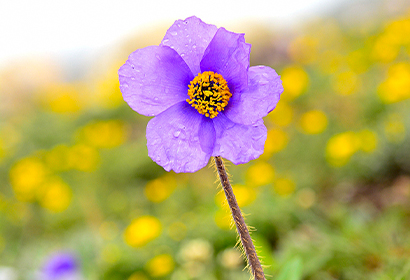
(175, 139)
(153, 79)
(237, 142)
(261, 96)
(190, 38)
(228, 55)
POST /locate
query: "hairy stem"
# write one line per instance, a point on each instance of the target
(241, 227)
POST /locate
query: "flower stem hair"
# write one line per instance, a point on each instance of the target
(246, 240)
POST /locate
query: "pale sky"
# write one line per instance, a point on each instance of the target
(58, 27)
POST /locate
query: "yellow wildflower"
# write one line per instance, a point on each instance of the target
(313, 122)
(346, 83)
(341, 147)
(276, 141)
(295, 81)
(284, 186)
(259, 174)
(160, 265)
(104, 134)
(26, 175)
(396, 87)
(142, 230)
(160, 189)
(56, 196)
(282, 115)
(83, 158)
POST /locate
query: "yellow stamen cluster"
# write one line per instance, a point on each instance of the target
(209, 93)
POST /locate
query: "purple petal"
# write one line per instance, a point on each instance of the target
(190, 38)
(228, 55)
(180, 139)
(237, 142)
(153, 79)
(60, 265)
(261, 96)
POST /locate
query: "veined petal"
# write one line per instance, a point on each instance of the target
(176, 139)
(237, 142)
(228, 55)
(153, 79)
(260, 98)
(190, 38)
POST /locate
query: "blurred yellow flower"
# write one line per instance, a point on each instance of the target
(341, 147)
(396, 87)
(276, 141)
(398, 31)
(84, 158)
(244, 196)
(295, 81)
(138, 276)
(358, 60)
(282, 115)
(62, 98)
(26, 175)
(142, 230)
(261, 173)
(346, 83)
(394, 129)
(108, 89)
(160, 189)
(56, 195)
(223, 219)
(104, 134)
(160, 265)
(303, 49)
(384, 49)
(284, 186)
(368, 140)
(313, 122)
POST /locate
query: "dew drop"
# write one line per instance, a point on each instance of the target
(176, 133)
(156, 98)
(194, 46)
(174, 33)
(165, 41)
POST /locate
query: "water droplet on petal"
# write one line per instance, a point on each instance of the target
(176, 133)
(174, 33)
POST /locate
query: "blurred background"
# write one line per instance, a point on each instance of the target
(329, 198)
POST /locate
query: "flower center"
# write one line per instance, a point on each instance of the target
(209, 93)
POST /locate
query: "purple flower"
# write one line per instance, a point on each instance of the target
(206, 99)
(61, 266)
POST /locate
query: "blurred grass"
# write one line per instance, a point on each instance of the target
(329, 197)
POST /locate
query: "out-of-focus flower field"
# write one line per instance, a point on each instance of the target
(330, 196)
